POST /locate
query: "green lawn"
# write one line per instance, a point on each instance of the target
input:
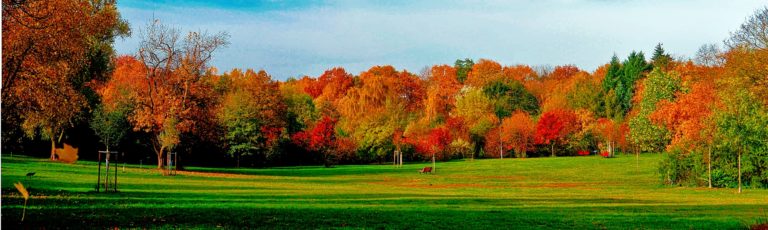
(564, 192)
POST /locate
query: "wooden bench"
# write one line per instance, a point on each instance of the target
(426, 170)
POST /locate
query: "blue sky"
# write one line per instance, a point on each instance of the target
(297, 38)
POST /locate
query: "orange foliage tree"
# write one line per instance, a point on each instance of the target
(381, 104)
(484, 72)
(331, 85)
(49, 50)
(686, 117)
(442, 86)
(165, 83)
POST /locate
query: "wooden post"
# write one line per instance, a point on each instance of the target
(98, 178)
(116, 165)
(106, 178)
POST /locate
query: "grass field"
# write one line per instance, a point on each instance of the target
(565, 192)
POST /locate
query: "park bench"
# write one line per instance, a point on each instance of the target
(426, 170)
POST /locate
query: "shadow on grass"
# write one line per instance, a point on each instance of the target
(311, 171)
(290, 217)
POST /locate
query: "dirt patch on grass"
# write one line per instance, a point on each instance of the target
(581, 186)
(513, 182)
(212, 174)
(515, 178)
(554, 185)
(441, 186)
(419, 183)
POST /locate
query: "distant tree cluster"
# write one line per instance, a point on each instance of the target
(709, 116)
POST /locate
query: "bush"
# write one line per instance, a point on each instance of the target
(678, 168)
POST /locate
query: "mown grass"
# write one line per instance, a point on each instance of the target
(565, 192)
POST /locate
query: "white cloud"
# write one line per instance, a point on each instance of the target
(359, 35)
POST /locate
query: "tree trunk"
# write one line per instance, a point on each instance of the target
(394, 158)
(160, 158)
(501, 147)
(400, 154)
(552, 147)
(434, 169)
(740, 169)
(53, 149)
(709, 167)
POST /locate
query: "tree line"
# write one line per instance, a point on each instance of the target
(62, 81)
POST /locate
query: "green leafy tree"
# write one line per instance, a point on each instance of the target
(620, 78)
(462, 68)
(509, 96)
(742, 131)
(646, 135)
(660, 58)
(110, 125)
(585, 96)
(252, 115)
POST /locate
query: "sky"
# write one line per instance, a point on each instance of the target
(298, 38)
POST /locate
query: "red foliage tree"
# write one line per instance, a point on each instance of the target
(555, 126)
(439, 139)
(321, 138)
(331, 86)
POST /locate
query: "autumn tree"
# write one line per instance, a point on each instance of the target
(437, 143)
(331, 85)
(442, 87)
(477, 113)
(484, 72)
(554, 128)
(516, 132)
(252, 113)
(584, 95)
(165, 82)
(507, 96)
(51, 51)
(320, 138)
(689, 121)
(612, 133)
(301, 111)
(658, 86)
(381, 104)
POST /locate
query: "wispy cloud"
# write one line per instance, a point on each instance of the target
(293, 38)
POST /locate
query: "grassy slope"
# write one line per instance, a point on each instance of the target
(573, 192)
